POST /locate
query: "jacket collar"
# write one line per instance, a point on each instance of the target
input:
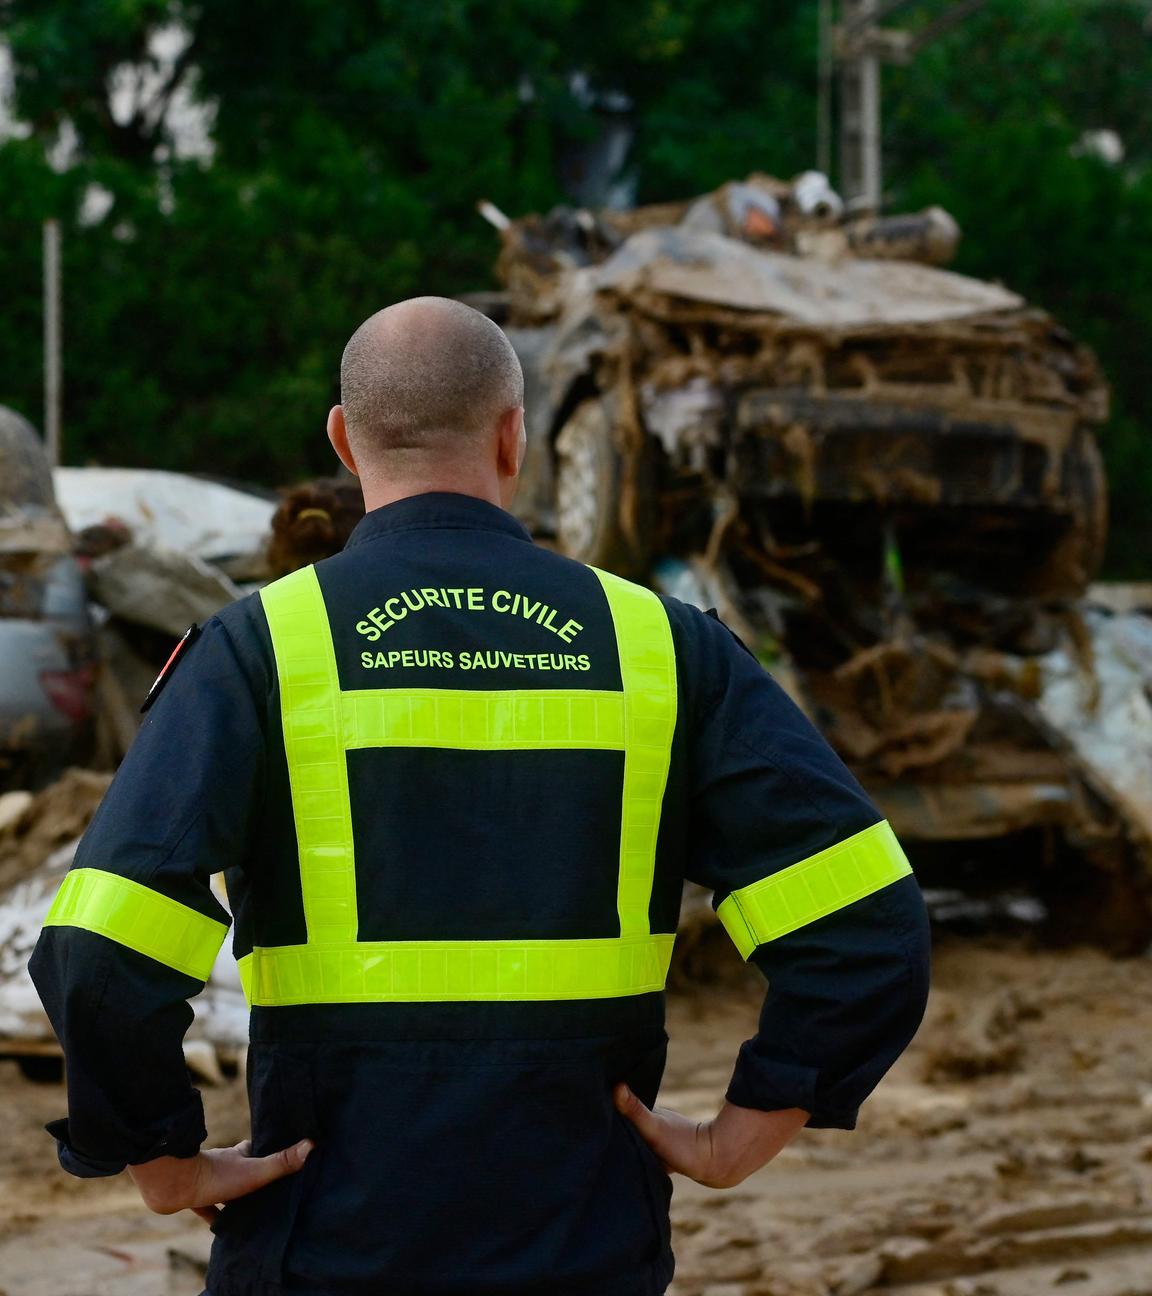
(437, 510)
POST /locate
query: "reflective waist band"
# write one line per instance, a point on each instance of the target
(815, 887)
(447, 971)
(138, 918)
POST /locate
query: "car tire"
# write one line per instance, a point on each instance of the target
(590, 487)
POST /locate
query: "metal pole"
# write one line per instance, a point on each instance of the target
(859, 46)
(870, 129)
(860, 170)
(52, 349)
(824, 92)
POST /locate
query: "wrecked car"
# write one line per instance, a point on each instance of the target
(886, 477)
(47, 656)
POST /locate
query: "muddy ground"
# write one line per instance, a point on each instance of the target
(1009, 1154)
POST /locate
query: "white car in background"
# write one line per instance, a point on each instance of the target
(47, 649)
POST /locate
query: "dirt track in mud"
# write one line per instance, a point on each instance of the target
(1008, 1154)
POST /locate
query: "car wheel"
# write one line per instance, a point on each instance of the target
(590, 476)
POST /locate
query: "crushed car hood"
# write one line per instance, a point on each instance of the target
(848, 293)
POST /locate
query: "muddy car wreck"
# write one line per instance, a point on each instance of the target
(47, 656)
(885, 476)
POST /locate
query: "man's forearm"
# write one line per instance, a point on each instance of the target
(844, 998)
(121, 1020)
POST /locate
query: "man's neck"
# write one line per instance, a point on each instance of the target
(379, 492)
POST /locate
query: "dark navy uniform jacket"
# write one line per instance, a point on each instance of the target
(464, 1148)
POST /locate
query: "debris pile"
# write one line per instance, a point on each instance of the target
(158, 552)
(885, 477)
(34, 827)
(45, 636)
(38, 839)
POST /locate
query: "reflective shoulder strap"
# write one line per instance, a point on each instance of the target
(648, 675)
(813, 888)
(312, 715)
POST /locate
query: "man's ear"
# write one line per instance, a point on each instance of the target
(511, 443)
(338, 435)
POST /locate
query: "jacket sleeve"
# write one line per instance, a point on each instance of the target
(809, 881)
(133, 932)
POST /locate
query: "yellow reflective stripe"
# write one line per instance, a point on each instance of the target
(508, 720)
(321, 723)
(139, 918)
(648, 673)
(813, 888)
(314, 744)
(455, 971)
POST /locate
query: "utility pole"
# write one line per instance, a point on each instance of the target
(860, 167)
(858, 46)
(826, 70)
(52, 350)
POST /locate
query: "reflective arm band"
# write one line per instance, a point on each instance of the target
(813, 888)
(139, 918)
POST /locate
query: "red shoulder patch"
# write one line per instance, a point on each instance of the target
(188, 638)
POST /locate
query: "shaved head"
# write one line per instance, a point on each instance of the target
(430, 376)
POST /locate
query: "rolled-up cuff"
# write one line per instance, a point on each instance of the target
(766, 1084)
(182, 1139)
(76, 1163)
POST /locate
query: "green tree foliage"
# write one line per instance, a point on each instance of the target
(991, 123)
(206, 309)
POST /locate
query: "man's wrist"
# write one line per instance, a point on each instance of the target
(166, 1183)
(744, 1139)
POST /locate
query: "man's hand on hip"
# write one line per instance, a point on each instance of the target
(205, 1181)
(719, 1153)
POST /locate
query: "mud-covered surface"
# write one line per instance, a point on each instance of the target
(1009, 1154)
